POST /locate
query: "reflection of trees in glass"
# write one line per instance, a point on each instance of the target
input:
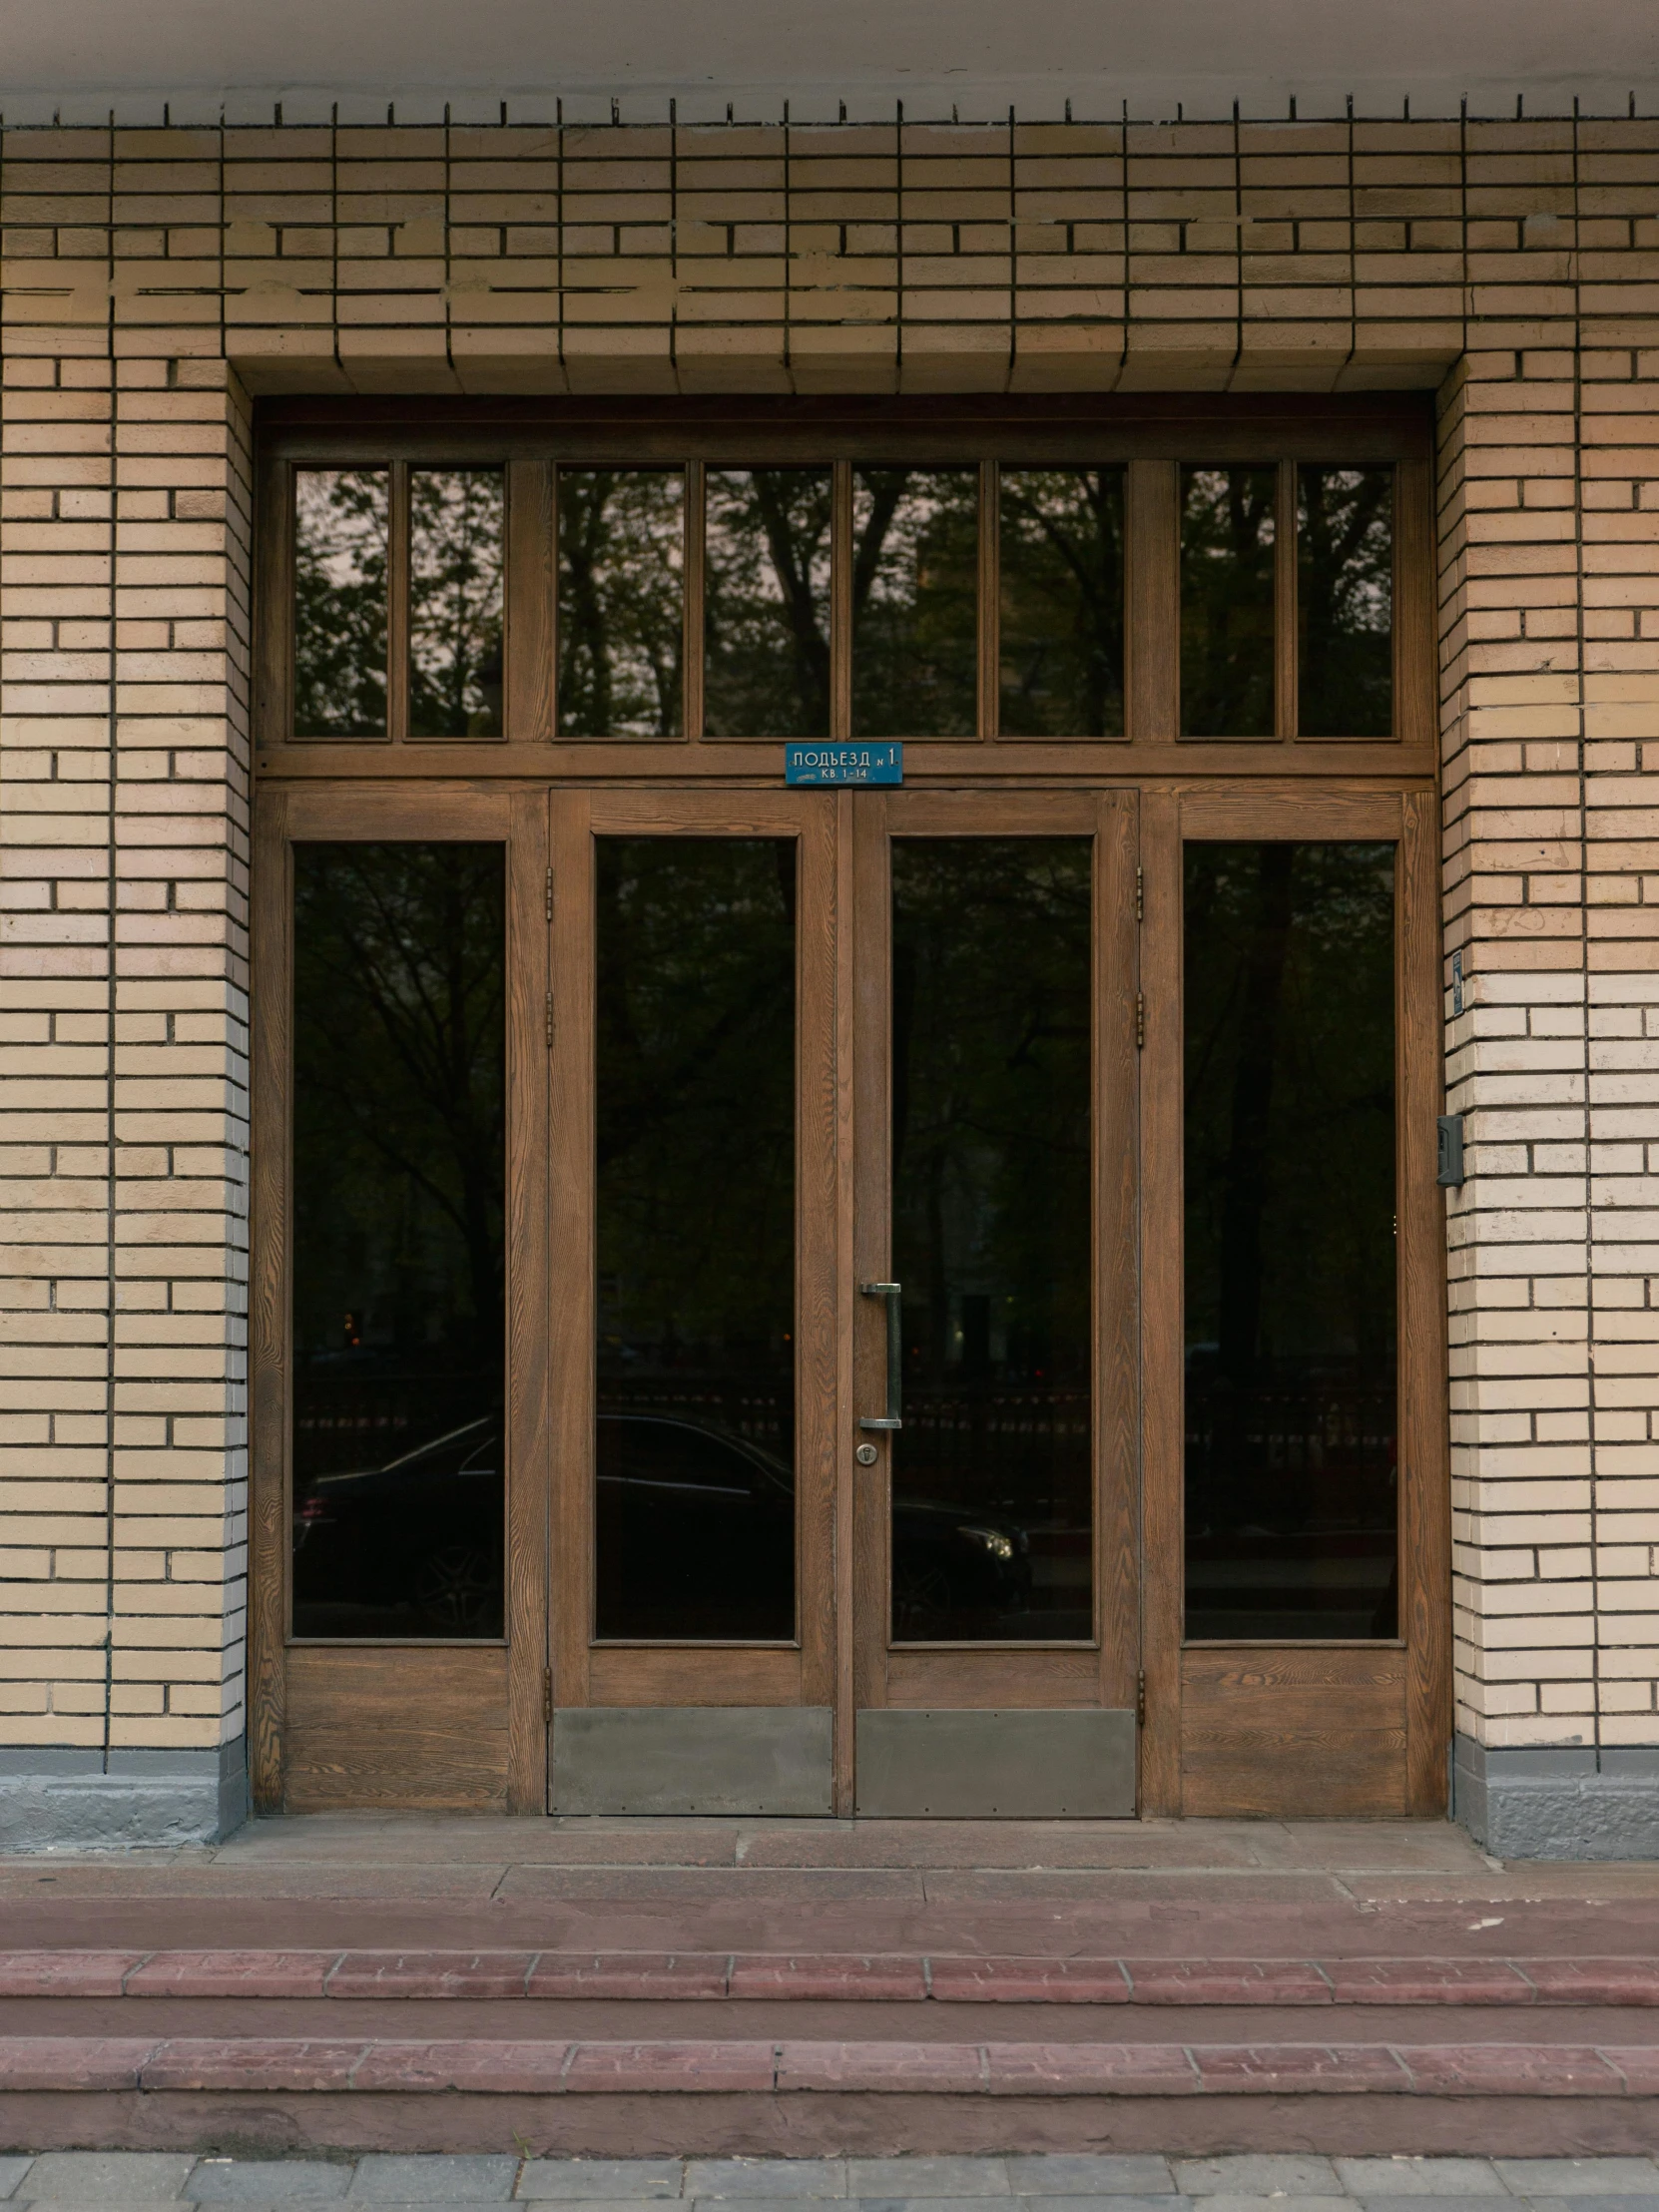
(340, 602)
(1289, 1247)
(1344, 602)
(456, 601)
(694, 1020)
(915, 601)
(621, 601)
(1226, 602)
(399, 1102)
(767, 603)
(991, 1182)
(1062, 602)
(398, 1116)
(695, 1103)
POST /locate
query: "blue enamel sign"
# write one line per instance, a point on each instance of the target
(844, 763)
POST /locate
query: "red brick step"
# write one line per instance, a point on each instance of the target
(829, 1975)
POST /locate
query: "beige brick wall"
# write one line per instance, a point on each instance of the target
(151, 278)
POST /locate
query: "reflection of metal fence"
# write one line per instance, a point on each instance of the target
(344, 1421)
(757, 1409)
(1015, 1448)
(1319, 1452)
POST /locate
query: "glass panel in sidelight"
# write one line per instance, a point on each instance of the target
(696, 1044)
(621, 612)
(915, 601)
(1061, 631)
(1345, 572)
(399, 1120)
(456, 574)
(1226, 602)
(340, 602)
(766, 626)
(992, 1520)
(1291, 1304)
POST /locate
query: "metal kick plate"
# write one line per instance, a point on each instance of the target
(996, 1764)
(694, 1759)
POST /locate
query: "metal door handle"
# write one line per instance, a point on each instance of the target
(891, 1292)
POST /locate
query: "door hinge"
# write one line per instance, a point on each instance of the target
(547, 1697)
(1140, 1021)
(1140, 894)
(1140, 1699)
(550, 1021)
(550, 894)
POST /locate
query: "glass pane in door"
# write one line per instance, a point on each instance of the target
(1291, 1304)
(991, 1055)
(399, 1099)
(695, 1451)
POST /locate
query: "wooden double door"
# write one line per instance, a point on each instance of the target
(731, 1316)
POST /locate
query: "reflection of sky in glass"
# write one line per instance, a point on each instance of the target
(455, 601)
(621, 601)
(767, 602)
(1344, 601)
(341, 521)
(915, 601)
(340, 602)
(1226, 602)
(1061, 630)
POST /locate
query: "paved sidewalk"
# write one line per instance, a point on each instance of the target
(114, 2181)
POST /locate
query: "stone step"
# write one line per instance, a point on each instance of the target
(893, 1977)
(811, 2098)
(707, 2066)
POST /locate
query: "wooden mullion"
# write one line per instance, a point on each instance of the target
(1116, 1320)
(571, 1319)
(1163, 1471)
(840, 602)
(274, 605)
(527, 715)
(991, 610)
(1424, 1488)
(528, 1295)
(1284, 653)
(1152, 602)
(269, 1517)
(397, 606)
(1414, 644)
(691, 685)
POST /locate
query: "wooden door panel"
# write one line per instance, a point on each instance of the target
(1275, 1729)
(424, 1730)
(1001, 1676)
(722, 1673)
(1293, 1732)
(396, 1720)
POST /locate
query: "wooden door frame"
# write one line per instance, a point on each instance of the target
(1103, 1672)
(586, 1671)
(345, 1706)
(1401, 1688)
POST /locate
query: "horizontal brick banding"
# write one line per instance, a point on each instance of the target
(797, 1978)
(325, 2065)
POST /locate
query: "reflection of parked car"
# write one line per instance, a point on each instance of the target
(422, 1535)
(955, 1573)
(696, 1538)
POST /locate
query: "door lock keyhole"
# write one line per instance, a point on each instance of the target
(866, 1456)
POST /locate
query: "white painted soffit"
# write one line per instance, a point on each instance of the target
(358, 61)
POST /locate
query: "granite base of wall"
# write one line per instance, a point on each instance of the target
(1568, 1803)
(80, 1801)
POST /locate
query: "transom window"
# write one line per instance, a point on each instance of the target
(651, 600)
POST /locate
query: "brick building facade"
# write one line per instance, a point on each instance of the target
(160, 283)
